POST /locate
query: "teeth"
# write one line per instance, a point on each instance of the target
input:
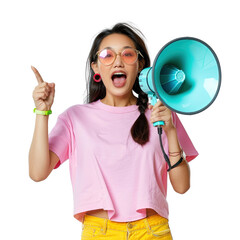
(119, 73)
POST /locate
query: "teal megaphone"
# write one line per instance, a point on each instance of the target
(185, 76)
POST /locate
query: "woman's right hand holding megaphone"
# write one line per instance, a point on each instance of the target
(43, 94)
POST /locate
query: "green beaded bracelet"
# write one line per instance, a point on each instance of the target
(42, 112)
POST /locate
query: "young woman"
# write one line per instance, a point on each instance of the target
(117, 168)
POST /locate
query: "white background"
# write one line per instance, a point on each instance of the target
(55, 37)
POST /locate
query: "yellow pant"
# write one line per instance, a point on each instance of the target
(152, 227)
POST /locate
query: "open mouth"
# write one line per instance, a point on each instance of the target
(119, 75)
(119, 79)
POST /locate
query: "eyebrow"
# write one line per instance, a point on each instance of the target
(125, 47)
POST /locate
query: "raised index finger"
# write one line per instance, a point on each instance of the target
(37, 74)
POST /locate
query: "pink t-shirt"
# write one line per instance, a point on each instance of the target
(108, 169)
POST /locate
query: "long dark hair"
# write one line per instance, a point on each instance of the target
(96, 91)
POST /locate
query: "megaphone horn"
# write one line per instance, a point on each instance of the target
(185, 76)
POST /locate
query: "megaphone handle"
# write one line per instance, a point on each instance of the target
(153, 102)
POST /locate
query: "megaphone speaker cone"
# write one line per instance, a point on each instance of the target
(171, 79)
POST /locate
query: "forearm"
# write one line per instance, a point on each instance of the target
(39, 160)
(180, 175)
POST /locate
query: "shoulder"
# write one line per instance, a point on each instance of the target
(77, 109)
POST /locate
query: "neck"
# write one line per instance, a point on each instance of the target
(119, 101)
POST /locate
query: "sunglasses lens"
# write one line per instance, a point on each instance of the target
(129, 56)
(106, 56)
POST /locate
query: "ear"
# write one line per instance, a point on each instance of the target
(95, 67)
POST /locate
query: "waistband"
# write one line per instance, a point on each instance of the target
(104, 224)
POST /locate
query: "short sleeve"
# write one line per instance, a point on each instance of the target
(184, 140)
(59, 140)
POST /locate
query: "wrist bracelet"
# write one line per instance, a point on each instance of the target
(42, 112)
(175, 154)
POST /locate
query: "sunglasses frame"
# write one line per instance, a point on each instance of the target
(120, 54)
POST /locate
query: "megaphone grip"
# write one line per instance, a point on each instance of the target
(153, 102)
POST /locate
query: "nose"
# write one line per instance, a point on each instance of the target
(118, 61)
